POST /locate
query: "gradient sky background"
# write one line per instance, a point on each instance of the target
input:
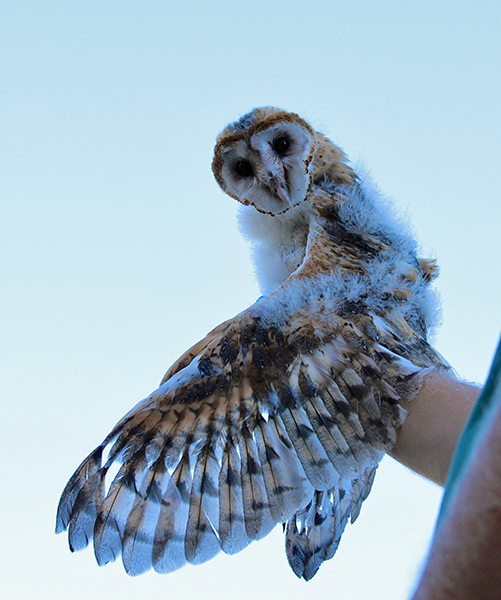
(119, 250)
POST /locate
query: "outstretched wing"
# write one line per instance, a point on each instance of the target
(258, 424)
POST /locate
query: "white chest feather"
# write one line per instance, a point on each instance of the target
(278, 243)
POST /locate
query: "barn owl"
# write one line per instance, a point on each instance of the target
(282, 413)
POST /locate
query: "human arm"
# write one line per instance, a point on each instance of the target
(427, 440)
(465, 558)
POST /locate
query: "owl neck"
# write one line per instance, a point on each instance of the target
(342, 228)
(334, 244)
(278, 243)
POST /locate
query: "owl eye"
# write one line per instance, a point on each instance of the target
(281, 145)
(244, 168)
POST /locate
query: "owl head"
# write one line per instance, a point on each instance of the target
(269, 158)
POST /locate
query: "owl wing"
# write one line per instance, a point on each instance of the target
(261, 422)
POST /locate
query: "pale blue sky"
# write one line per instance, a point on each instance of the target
(119, 250)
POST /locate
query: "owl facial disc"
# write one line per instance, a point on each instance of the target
(266, 161)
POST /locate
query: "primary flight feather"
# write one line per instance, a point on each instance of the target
(281, 414)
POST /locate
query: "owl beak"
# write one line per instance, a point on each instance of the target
(278, 188)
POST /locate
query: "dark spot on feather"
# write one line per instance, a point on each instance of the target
(206, 367)
(129, 480)
(306, 386)
(139, 536)
(306, 343)
(359, 391)
(286, 396)
(326, 419)
(184, 491)
(224, 384)
(96, 456)
(319, 519)
(253, 468)
(209, 488)
(228, 352)
(370, 371)
(261, 336)
(299, 556)
(305, 431)
(208, 389)
(260, 358)
(257, 505)
(390, 358)
(233, 478)
(154, 493)
(341, 236)
(196, 390)
(284, 440)
(282, 489)
(352, 307)
(231, 518)
(272, 453)
(208, 430)
(261, 389)
(160, 542)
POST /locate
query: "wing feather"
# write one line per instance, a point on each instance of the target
(168, 552)
(257, 424)
(257, 515)
(201, 542)
(360, 490)
(80, 492)
(112, 517)
(139, 533)
(286, 484)
(316, 464)
(232, 530)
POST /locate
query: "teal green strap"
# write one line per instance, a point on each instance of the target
(489, 398)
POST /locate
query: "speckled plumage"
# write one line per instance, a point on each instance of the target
(281, 414)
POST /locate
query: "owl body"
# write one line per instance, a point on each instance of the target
(281, 414)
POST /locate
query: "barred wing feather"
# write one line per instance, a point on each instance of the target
(251, 427)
